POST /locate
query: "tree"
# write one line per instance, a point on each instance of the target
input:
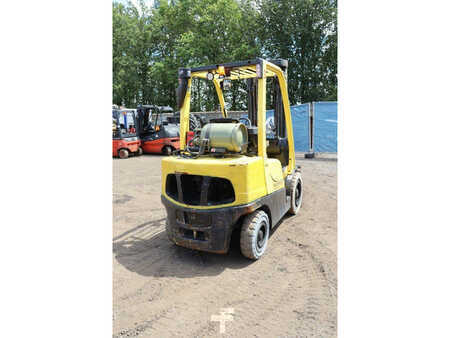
(302, 31)
(150, 44)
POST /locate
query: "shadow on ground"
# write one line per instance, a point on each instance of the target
(147, 251)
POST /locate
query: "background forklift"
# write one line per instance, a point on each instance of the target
(158, 129)
(232, 176)
(124, 138)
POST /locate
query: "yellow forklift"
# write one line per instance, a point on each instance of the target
(232, 175)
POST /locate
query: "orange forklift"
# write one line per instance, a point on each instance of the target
(158, 131)
(124, 138)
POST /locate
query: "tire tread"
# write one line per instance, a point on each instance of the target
(292, 184)
(249, 226)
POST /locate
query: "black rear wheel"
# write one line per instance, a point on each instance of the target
(123, 153)
(296, 192)
(255, 234)
(167, 150)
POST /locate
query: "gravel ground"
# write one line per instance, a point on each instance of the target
(161, 290)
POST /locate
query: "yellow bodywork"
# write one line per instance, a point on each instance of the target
(252, 177)
(245, 173)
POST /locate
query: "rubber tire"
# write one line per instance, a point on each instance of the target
(167, 150)
(194, 122)
(123, 153)
(249, 234)
(140, 151)
(295, 180)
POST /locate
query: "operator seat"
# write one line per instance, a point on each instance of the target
(278, 148)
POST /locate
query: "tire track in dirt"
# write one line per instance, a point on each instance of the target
(259, 300)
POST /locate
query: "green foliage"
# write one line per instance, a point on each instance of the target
(150, 44)
(304, 32)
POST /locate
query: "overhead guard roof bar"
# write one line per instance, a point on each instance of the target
(233, 74)
(238, 70)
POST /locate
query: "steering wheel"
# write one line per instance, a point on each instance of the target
(247, 121)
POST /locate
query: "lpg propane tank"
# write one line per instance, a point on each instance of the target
(232, 136)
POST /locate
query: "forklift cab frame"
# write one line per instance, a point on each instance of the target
(255, 72)
(158, 135)
(150, 118)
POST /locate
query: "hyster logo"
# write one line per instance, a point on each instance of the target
(225, 316)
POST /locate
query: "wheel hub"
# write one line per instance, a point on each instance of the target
(297, 194)
(261, 237)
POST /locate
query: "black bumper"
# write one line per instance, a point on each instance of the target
(204, 230)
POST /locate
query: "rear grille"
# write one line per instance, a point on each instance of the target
(199, 190)
(195, 219)
(193, 234)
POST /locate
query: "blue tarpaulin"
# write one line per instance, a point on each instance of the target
(325, 126)
(300, 126)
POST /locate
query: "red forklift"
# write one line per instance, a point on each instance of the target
(157, 129)
(124, 137)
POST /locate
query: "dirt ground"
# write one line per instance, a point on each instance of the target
(161, 290)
